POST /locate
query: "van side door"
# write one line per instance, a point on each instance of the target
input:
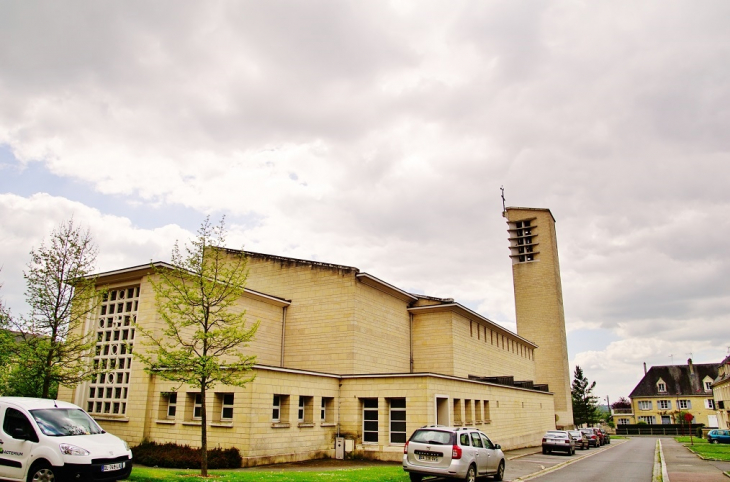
(18, 440)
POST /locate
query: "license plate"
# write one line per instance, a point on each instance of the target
(112, 467)
(429, 458)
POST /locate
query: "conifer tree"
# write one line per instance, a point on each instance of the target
(585, 404)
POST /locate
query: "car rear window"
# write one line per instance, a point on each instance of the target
(434, 437)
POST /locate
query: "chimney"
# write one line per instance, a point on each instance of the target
(644, 368)
(691, 367)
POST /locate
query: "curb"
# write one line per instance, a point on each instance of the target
(559, 466)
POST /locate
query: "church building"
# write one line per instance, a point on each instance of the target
(345, 357)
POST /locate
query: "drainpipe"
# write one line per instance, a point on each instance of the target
(410, 333)
(283, 334)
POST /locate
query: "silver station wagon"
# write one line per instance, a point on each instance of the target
(461, 453)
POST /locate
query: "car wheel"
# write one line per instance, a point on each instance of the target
(714, 441)
(544, 450)
(471, 474)
(500, 471)
(41, 472)
(416, 477)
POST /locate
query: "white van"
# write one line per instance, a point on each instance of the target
(42, 440)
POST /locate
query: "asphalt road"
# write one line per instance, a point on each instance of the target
(625, 460)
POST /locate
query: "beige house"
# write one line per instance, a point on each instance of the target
(340, 353)
(666, 390)
(721, 391)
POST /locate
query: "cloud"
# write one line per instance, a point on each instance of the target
(378, 134)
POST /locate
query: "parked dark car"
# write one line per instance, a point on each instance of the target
(718, 436)
(593, 439)
(606, 437)
(580, 438)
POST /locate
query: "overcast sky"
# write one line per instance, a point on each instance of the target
(377, 134)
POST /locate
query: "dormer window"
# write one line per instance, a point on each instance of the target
(707, 382)
(661, 386)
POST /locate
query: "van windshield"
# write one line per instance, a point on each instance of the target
(61, 422)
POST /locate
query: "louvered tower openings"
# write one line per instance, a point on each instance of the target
(533, 249)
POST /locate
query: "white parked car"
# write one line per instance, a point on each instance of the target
(463, 453)
(42, 440)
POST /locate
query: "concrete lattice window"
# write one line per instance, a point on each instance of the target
(107, 392)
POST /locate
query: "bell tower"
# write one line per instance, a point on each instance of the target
(533, 249)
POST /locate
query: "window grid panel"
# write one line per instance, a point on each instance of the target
(115, 327)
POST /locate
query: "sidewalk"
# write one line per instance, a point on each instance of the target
(684, 466)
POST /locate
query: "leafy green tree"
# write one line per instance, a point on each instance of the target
(585, 404)
(205, 329)
(52, 347)
(6, 345)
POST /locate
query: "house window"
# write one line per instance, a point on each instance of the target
(197, 406)
(661, 387)
(398, 421)
(326, 413)
(684, 404)
(280, 409)
(645, 405)
(171, 405)
(487, 416)
(226, 400)
(648, 420)
(708, 386)
(370, 420)
(305, 412)
(710, 403)
(623, 421)
(664, 404)
(478, 414)
(468, 412)
(276, 409)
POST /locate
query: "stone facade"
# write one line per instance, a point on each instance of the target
(721, 393)
(539, 301)
(339, 352)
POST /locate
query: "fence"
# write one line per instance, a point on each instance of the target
(658, 429)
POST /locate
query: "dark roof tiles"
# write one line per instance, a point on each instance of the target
(678, 380)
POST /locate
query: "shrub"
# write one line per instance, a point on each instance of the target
(184, 457)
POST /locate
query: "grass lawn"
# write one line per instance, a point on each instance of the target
(705, 449)
(369, 474)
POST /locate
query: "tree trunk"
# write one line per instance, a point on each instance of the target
(203, 432)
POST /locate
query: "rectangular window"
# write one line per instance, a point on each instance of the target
(649, 420)
(468, 412)
(664, 404)
(197, 406)
(661, 387)
(226, 400)
(276, 410)
(623, 421)
(478, 411)
(708, 386)
(171, 405)
(327, 412)
(305, 412)
(398, 421)
(487, 415)
(645, 405)
(370, 420)
(684, 404)
(710, 403)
